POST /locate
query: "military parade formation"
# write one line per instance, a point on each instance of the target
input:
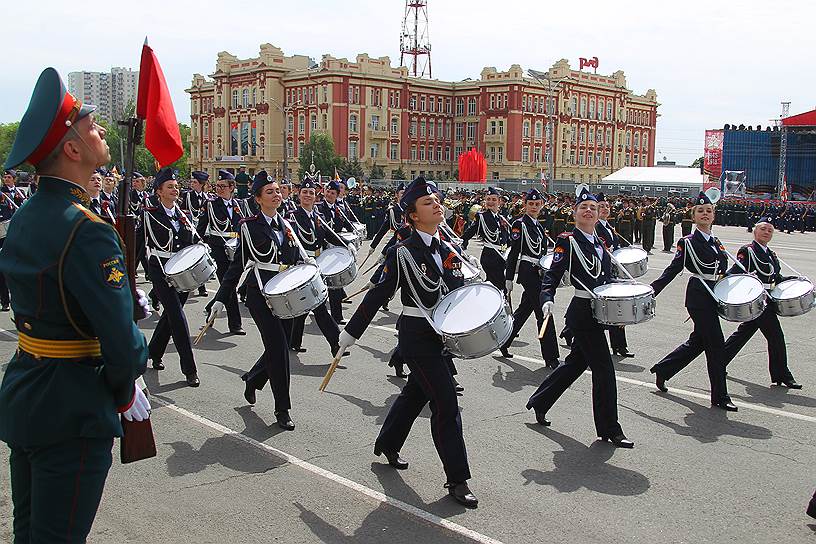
(288, 251)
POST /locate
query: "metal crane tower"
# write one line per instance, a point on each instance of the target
(783, 148)
(414, 40)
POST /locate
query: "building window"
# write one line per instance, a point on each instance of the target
(582, 138)
(235, 99)
(447, 153)
(600, 109)
(592, 108)
(471, 106)
(374, 151)
(394, 125)
(524, 103)
(607, 158)
(290, 124)
(422, 128)
(538, 127)
(643, 160)
(431, 153)
(412, 103)
(413, 153)
(637, 140)
(412, 130)
(457, 152)
(492, 101)
(589, 159)
(459, 131)
(439, 127)
(536, 155)
(301, 124)
(499, 155)
(460, 106)
(432, 104)
(525, 154)
(628, 138)
(591, 136)
(325, 121)
(352, 150)
(375, 122)
(447, 105)
(206, 126)
(471, 131)
(253, 96)
(583, 106)
(206, 151)
(572, 157)
(394, 151)
(608, 136)
(501, 127)
(325, 93)
(525, 129)
(598, 158)
(491, 154)
(353, 123)
(313, 121)
(600, 136)
(290, 149)
(422, 103)
(422, 153)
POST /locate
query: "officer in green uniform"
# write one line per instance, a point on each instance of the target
(79, 351)
(242, 182)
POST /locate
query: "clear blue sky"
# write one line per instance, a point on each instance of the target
(709, 63)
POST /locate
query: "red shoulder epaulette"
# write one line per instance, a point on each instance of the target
(151, 209)
(565, 235)
(245, 219)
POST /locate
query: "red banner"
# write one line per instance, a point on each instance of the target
(712, 158)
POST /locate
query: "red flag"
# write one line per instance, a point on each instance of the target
(162, 137)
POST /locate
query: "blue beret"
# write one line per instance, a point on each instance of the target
(9, 172)
(493, 191)
(308, 184)
(199, 175)
(533, 194)
(764, 219)
(164, 175)
(600, 197)
(418, 188)
(585, 195)
(225, 175)
(333, 186)
(284, 181)
(51, 111)
(137, 175)
(102, 171)
(702, 198)
(260, 180)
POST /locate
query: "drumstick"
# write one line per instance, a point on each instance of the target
(372, 267)
(351, 296)
(332, 368)
(364, 260)
(544, 326)
(204, 330)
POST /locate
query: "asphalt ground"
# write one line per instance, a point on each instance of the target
(226, 473)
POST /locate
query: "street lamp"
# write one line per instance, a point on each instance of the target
(541, 77)
(285, 110)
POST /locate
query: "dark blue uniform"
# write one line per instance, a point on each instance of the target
(270, 245)
(711, 263)
(764, 263)
(165, 235)
(394, 219)
(528, 243)
(217, 225)
(495, 233)
(411, 267)
(314, 236)
(589, 349)
(12, 199)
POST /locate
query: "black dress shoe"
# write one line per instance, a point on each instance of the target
(552, 363)
(623, 352)
(461, 492)
(284, 421)
(506, 354)
(203, 292)
(399, 370)
(726, 405)
(660, 381)
(456, 385)
(541, 418)
(157, 364)
(249, 394)
(192, 380)
(811, 509)
(619, 441)
(394, 458)
(5, 308)
(790, 384)
(341, 322)
(238, 332)
(298, 349)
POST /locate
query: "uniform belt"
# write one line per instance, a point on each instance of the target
(707, 277)
(580, 293)
(411, 311)
(160, 253)
(496, 247)
(58, 349)
(271, 267)
(529, 259)
(768, 285)
(314, 253)
(220, 234)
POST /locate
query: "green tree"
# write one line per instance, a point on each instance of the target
(377, 172)
(7, 133)
(399, 174)
(325, 159)
(351, 168)
(698, 163)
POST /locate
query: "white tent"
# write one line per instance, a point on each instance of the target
(654, 180)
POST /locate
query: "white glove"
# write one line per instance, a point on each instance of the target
(346, 340)
(140, 408)
(216, 310)
(547, 307)
(310, 260)
(144, 302)
(370, 251)
(473, 260)
(508, 286)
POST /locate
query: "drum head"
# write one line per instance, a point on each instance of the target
(184, 259)
(622, 290)
(791, 289)
(627, 255)
(290, 279)
(467, 308)
(738, 289)
(334, 260)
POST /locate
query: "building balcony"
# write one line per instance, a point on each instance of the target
(379, 133)
(493, 138)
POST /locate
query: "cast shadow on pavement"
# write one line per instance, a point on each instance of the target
(578, 466)
(518, 377)
(151, 378)
(767, 395)
(394, 486)
(212, 341)
(706, 424)
(230, 369)
(370, 409)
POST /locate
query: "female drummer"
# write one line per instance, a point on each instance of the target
(167, 231)
(704, 256)
(581, 254)
(267, 244)
(424, 271)
(757, 258)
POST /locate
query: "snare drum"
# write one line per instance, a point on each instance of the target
(351, 238)
(740, 297)
(296, 291)
(633, 259)
(231, 247)
(623, 303)
(470, 273)
(474, 320)
(793, 297)
(4, 225)
(190, 268)
(545, 263)
(338, 267)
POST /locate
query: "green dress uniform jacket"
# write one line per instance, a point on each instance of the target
(66, 273)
